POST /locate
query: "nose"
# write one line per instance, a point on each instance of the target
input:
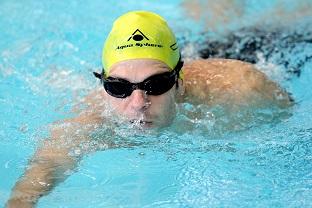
(139, 100)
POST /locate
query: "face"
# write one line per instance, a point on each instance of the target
(148, 110)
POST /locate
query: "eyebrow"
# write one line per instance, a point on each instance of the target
(163, 66)
(159, 67)
(140, 81)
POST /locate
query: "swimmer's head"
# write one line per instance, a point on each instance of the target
(140, 35)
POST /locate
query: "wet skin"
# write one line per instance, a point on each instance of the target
(211, 82)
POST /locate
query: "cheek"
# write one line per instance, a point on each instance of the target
(115, 104)
(163, 104)
(164, 108)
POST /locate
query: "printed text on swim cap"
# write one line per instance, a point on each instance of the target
(139, 45)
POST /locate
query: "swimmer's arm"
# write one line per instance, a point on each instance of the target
(45, 171)
(51, 164)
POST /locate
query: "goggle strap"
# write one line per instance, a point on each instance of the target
(179, 66)
(177, 69)
(97, 75)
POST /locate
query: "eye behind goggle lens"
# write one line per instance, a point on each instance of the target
(159, 84)
(117, 89)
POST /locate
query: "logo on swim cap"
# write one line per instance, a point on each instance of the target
(137, 37)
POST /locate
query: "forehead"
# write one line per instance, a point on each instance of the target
(135, 67)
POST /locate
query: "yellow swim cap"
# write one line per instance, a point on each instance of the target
(140, 34)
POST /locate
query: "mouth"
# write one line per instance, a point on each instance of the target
(141, 122)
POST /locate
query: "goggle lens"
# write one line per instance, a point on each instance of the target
(155, 85)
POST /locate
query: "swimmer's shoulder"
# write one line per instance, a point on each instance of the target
(215, 81)
(208, 68)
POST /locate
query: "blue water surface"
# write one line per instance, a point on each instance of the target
(48, 50)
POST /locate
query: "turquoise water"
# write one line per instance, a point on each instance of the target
(48, 50)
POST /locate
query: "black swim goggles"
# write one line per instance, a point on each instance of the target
(154, 85)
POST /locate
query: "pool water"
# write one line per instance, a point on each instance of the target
(49, 49)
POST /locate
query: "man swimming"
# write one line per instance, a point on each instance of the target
(143, 78)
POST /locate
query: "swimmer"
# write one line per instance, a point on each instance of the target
(143, 78)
